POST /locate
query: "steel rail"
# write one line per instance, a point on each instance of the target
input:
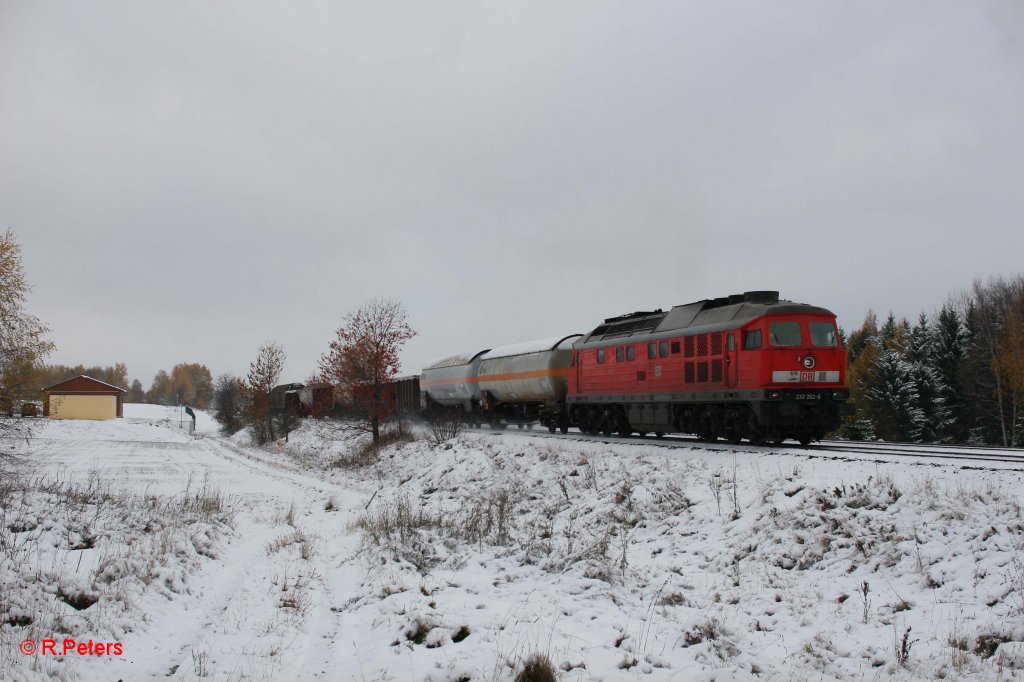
(903, 450)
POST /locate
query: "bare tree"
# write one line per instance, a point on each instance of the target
(364, 358)
(228, 403)
(994, 303)
(22, 336)
(264, 373)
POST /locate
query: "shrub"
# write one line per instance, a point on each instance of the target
(537, 668)
(445, 425)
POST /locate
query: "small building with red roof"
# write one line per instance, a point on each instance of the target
(83, 398)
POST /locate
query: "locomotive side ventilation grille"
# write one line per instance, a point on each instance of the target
(707, 364)
(702, 372)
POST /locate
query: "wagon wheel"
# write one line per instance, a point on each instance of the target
(564, 428)
(551, 427)
(659, 434)
(624, 429)
(707, 434)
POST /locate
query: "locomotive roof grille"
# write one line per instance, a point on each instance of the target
(633, 316)
(628, 328)
(701, 316)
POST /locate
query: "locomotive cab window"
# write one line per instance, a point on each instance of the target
(652, 351)
(824, 334)
(784, 334)
(731, 342)
(752, 339)
(600, 356)
(630, 353)
(620, 354)
(663, 349)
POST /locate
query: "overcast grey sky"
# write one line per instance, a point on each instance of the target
(191, 179)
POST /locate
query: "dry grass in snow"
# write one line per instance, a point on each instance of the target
(77, 559)
(622, 560)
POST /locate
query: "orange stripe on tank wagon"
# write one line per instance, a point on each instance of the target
(535, 374)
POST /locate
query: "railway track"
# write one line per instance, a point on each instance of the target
(963, 455)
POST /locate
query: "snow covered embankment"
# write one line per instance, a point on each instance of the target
(616, 560)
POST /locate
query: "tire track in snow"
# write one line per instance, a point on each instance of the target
(231, 622)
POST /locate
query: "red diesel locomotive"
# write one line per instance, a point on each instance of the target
(747, 366)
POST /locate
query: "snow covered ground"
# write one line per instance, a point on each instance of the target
(207, 558)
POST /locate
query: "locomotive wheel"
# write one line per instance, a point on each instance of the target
(551, 427)
(642, 434)
(659, 434)
(564, 428)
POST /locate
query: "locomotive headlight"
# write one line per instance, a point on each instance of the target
(774, 395)
(841, 394)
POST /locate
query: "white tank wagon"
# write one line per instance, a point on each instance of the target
(526, 382)
(451, 382)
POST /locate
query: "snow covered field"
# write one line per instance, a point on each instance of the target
(207, 558)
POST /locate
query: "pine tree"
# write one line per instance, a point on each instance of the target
(136, 394)
(920, 354)
(979, 411)
(893, 398)
(889, 331)
(948, 351)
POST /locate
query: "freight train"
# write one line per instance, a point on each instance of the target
(748, 366)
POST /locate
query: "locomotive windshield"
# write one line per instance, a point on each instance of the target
(824, 334)
(785, 334)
